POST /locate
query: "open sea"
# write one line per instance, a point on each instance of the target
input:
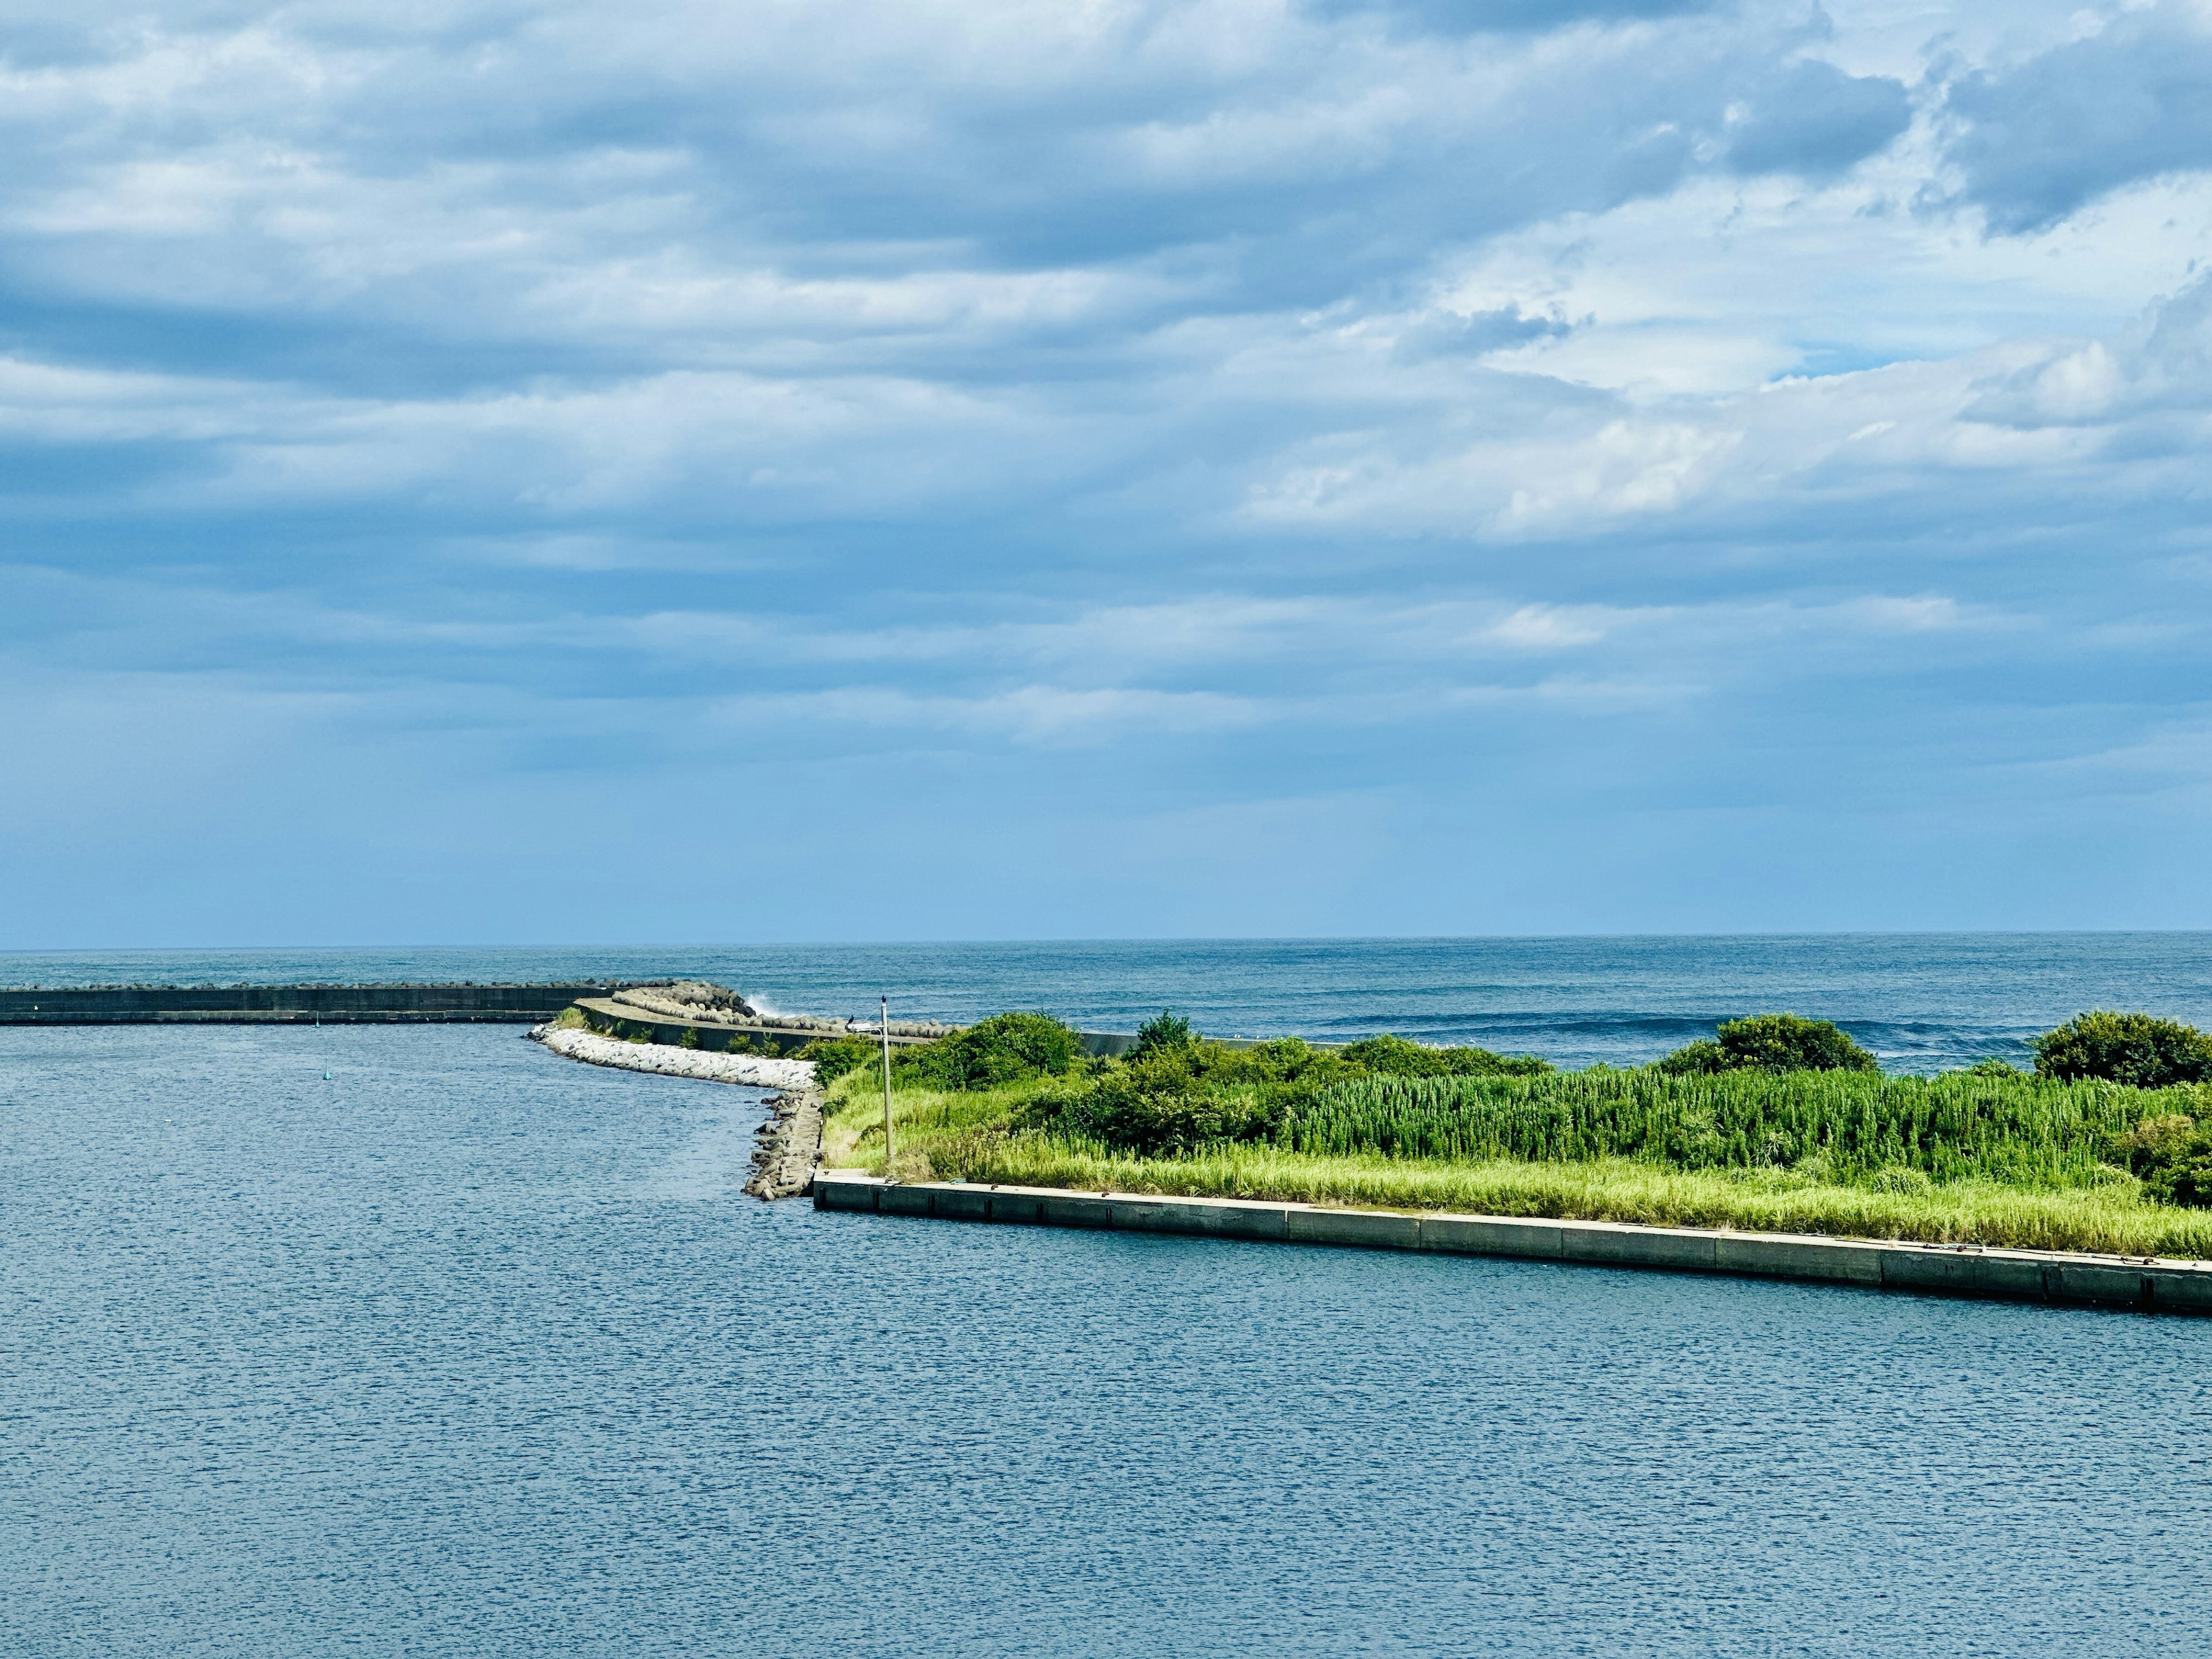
(1921, 1001)
(422, 1341)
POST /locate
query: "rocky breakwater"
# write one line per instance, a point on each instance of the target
(791, 1137)
(790, 1147)
(724, 1037)
(708, 1065)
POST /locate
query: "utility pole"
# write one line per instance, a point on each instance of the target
(886, 1028)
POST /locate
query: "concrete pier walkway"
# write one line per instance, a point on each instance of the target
(2145, 1284)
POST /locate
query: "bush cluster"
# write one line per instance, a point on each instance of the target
(1171, 1097)
(1167, 1029)
(1174, 1090)
(2171, 1153)
(2137, 1049)
(1394, 1056)
(833, 1057)
(1003, 1048)
(1771, 1042)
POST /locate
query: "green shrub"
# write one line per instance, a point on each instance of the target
(1784, 1042)
(2187, 1181)
(2171, 1153)
(1994, 1067)
(1395, 1056)
(1152, 1110)
(1003, 1048)
(2137, 1049)
(1169, 1030)
(2155, 1139)
(1771, 1042)
(1176, 1097)
(1697, 1059)
(689, 1039)
(833, 1057)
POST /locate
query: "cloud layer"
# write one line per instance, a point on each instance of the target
(1139, 467)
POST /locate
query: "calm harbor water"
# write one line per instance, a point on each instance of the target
(1921, 1001)
(464, 1350)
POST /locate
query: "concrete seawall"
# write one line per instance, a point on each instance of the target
(432, 1004)
(2126, 1282)
(296, 1005)
(627, 1019)
(623, 1019)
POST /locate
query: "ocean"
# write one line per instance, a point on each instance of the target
(1921, 1001)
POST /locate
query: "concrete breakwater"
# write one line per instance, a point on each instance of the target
(625, 1018)
(2146, 1284)
(709, 1035)
(300, 1005)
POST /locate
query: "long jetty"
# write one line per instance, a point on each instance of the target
(412, 1004)
(289, 1004)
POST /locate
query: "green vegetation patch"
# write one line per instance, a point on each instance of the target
(2171, 1155)
(1845, 1126)
(1771, 1042)
(2137, 1049)
(1175, 1091)
(1003, 1048)
(833, 1057)
(1395, 1056)
(1990, 1154)
(1174, 1097)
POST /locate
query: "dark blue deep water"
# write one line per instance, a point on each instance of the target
(1921, 1001)
(469, 1351)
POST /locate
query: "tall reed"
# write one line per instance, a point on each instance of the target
(1849, 1124)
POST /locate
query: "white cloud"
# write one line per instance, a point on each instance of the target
(1288, 385)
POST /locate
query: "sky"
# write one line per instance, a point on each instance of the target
(488, 471)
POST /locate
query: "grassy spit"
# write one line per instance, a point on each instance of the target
(2062, 1201)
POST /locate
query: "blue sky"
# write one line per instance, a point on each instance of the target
(482, 471)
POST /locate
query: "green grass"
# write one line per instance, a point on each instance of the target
(2004, 1163)
(925, 1119)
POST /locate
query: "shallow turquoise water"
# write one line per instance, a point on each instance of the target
(469, 1351)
